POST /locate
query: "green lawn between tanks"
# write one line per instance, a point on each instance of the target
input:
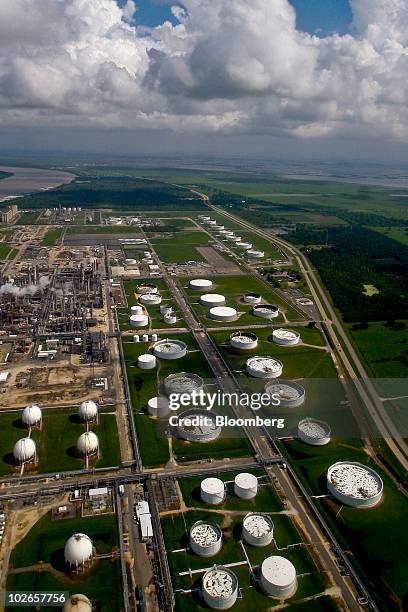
(143, 385)
(373, 536)
(175, 531)
(233, 288)
(52, 236)
(180, 247)
(45, 541)
(57, 439)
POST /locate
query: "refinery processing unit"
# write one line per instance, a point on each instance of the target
(133, 475)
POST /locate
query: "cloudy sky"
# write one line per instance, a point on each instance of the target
(263, 77)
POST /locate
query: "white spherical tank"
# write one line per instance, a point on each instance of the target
(31, 416)
(78, 603)
(146, 361)
(314, 432)
(138, 320)
(158, 406)
(354, 484)
(183, 382)
(252, 298)
(245, 485)
(78, 550)
(212, 491)
(88, 411)
(150, 299)
(88, 443)
(285, 337)
(278, 577)
(205, 539)
(223, 313)
(243, 341)
(257, 529)
(201, 284)
(289, 393)
(212, 299)
(136, 310)
(265, 311)
(264, 367)
(170, 349)
(24, 450)
(220, 588)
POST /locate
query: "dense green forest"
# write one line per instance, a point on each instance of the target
(116, 192)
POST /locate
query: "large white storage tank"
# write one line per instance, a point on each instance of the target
(136, 310)
(24, 450)
(212, 299)
(265, 311)
(257, 529)
(252, 298)
(138, 320)
(146, 361)
(170, 349)
(32, 416)
(205, 539)
(278, 577)
(289, 393)
(264, 367)
(245, 485)
(150, 299)
(314, 432)
(212, 491)
(223, 313)
(220, 588)
(200, 284)
(146, 288)
(354, 484)
(285, 337)
(183, 382)
(78, 603)
(78, 550)
(158, 406)
(243, 341)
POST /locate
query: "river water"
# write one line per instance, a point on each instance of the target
(29, 180)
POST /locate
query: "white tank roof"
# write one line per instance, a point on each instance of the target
(200, 283)
(24, 449)
(223, 313)
(212, 486)
(78, 549)
(245, 480)
(278, 571)
(354, 480)
(78, 603)
(31, 415)
(258, 525)
(212, 299)
(88, 410)
(88, 443)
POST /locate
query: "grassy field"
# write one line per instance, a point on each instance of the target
(45, 542)
(180, 247)
(396, 233)
(28, 217)
(56, 442)
(6, 251)
(52, 236)
(383, 349)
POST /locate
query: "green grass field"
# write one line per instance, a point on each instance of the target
(396, 233)
(180, 247)
(6, 251)
(28, 217)
(51, 237)
(383, 349)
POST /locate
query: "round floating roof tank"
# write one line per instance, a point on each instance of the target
(78, 550)
(205, 539)
(265, 311)
(264, 367)
(257, 529)
(197, 425)
(88, 411)
(31, 415)
(170, 349)
(223, 313)
(24, 450)
(245, 485)
(150, 299)
(290, 393)
(78, 603)
(183, 382)
(136, 310)
(88, 443)
(212, 491)
(243, 341)
(138, 320)
(285, 337)
(278, 577)
(220, 588)
(314, 432)
(354, 484)
(212, 299)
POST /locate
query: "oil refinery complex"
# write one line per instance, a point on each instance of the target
(106, 320)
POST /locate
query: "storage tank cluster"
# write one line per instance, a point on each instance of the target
(264, 367)
(354, 484)
(257, 529)
(205, 539)
(145, 338)
(198, 426)
(183, 382)
(223, 314)
(278, 577)
(158, 406)
(290, 393)
(314, 432)
(252, 298)
(245, 485)
(200, 284)
(243, 341)
(285, 337)
(78, 551)
(220, 588)
(212, 491)
(32, 417)
(265, 311)
(170, 349)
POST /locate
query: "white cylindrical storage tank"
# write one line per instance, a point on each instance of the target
(245, 485)
(205, 539)
(314, 432)
(78, 550)
(88, 443)
(237, 239)
(136, 338)
(212, 491)
(155, 337)
(166, 309)
(243, 341)
(31, 416)
(88, 411)
(285, 337)
(223, 313)
(220, 588)
(170, 319)
(198, 426)
(158, 406)
(278, 577)
(253, 298)
(183, 382)
(212, 299)
(24, 450)
(255, 254)
(201, 284)
(145, 338)
(146, 362)
(264, 367)
(289, 393)
(138, 320)
(212, 222)
(257, 529)
(136, 310)
(150, 299)
(146, 288)
(354, 484)
(78, 603)
(244, 245)
(265, 311)
(170, 349)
